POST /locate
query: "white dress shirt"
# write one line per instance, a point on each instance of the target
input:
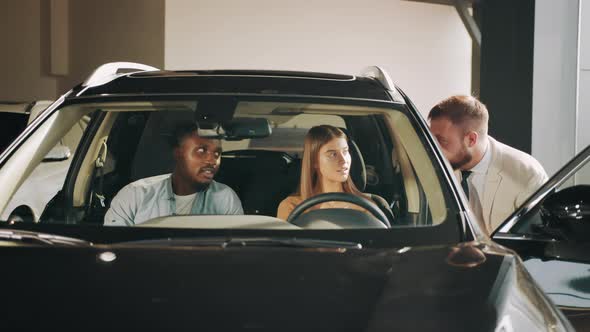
(477, 181)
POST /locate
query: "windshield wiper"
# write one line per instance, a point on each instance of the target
(40, 238)
(225, 242)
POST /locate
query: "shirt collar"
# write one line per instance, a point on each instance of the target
(484, 163)
(170, 192)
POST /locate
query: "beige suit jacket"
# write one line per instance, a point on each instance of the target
(511, 178)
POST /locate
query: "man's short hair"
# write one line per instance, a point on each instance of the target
(462, 111)
(180, 131)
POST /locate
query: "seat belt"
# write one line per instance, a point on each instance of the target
(99, 166)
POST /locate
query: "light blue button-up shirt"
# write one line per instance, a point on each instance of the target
(153, 197)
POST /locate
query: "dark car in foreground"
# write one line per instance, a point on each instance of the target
(426, 267)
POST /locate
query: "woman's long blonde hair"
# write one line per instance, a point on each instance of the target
(309, 184)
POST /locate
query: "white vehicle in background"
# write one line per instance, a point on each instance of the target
(15, 117)
(28, 202)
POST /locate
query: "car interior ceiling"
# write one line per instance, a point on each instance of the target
(261, 178)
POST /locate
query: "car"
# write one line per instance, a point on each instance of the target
(15, 116)
(47, 179)
(421, 262)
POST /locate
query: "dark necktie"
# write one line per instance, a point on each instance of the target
(464, 184)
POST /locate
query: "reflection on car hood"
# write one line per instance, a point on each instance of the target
(462, 288)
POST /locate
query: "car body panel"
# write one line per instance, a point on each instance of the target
(270, 83)
(403, 279)
(462, 288)
(558, 265)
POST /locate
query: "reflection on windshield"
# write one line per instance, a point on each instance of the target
(171, 166)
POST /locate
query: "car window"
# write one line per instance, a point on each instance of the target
(288, 134)
(129, 142)
(46, 179)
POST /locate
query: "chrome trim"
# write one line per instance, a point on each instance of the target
(380, 75)
(109, 71)
(520, 237)
(383, 77)
(196, 74)
(20, 235)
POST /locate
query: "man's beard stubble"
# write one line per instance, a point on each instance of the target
(465, 158)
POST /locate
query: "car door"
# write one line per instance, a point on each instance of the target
(551, 233)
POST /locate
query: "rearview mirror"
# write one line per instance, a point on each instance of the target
(210, 129)
(58, 153)
(240, 128)
(235, 129)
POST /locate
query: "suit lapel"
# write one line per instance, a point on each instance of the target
(493, 180)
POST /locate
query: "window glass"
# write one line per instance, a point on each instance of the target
(46, 179)
(133, 146)
(288, 133)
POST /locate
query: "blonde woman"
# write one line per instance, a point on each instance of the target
(325, 168)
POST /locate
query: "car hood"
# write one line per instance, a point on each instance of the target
(467, 287)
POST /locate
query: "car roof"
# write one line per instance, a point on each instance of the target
(257, 82)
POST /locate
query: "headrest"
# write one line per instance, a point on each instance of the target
(154, 151)
(358, 172)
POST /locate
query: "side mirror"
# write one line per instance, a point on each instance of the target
(567, 212)
(58, 153)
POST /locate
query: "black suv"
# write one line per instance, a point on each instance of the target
(413, 259)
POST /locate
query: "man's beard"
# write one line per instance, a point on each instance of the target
(465, 158)
(201, 186)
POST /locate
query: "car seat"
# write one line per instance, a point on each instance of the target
(260, 178)
(358, 173)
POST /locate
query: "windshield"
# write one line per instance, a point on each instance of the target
(279, 164)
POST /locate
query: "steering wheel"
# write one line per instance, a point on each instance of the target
(340, 197)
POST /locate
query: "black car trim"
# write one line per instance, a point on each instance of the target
(441, 234)
(556, 180)
(244, 73)
(474, 229)
(139, 96)
(361, 87)
(231, 242)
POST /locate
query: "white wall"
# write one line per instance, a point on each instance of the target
(96, 32)
(424, 47)
(583, 114)
(24, 59)
(583, 121)
(561, 81)
(555, 82)
(113, 30)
